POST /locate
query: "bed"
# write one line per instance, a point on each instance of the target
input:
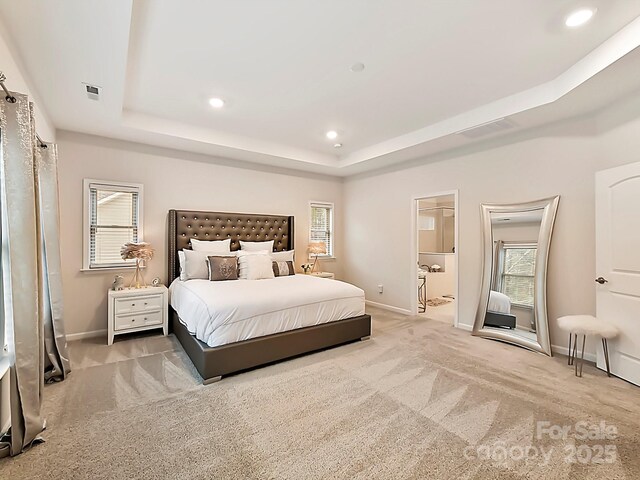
(499, 311)
(223, 333)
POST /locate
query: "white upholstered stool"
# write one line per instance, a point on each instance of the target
(586, 325)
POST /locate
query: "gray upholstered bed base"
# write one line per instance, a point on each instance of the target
(213, 363)
(500, 320)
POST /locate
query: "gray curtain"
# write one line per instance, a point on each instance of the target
(55, 342)
(498, 267)
(30, 271)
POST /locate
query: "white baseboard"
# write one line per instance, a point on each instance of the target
(588, 356)
(82, 335)
(463, 326)
(391, 308)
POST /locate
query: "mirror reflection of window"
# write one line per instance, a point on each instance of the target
(512, 297)
(518, 273)
(427, 222)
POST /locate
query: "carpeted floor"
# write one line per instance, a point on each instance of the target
(419, 400)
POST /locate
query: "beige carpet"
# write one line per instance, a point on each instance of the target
(419, 400)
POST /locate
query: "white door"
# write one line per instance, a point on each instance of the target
(618, 262)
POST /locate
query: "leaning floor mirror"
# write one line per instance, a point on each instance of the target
(513, 301)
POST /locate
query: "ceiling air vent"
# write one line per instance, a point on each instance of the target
(489, 128)
(93, 91)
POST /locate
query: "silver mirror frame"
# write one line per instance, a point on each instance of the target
(543, 344)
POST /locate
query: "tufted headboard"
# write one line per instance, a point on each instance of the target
(187, 224)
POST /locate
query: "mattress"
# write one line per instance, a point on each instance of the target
(499, 302)
(218, 313)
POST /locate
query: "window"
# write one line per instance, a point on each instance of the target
(518, 273)
(321, 225)
(113, 217)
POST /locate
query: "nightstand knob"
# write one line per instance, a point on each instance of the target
(133, 319)
(133, 304)
(146, 303)
(145, 318)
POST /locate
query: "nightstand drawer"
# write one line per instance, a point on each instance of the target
(136, 320)
(138, 304)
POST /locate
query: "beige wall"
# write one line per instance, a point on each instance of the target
(17, 81)
(516, 232)
(560, 160)
(171, 180)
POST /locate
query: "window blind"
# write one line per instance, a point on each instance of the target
(322, 225)
(114, 221)
(518, 275)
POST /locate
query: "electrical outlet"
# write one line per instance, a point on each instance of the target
(380, 288)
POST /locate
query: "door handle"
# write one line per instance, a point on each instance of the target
(601, 280)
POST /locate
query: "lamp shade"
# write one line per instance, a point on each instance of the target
(139, 251)
(317, 248)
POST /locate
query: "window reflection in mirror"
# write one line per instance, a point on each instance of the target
(511, 303)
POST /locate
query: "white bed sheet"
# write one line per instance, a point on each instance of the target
(499, 302)
(218, 313)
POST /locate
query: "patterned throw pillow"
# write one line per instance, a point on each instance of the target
(282, 269)
(223, 268)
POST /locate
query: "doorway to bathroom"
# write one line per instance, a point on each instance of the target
(435, 239)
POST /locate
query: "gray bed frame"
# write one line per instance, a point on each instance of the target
(213, 363)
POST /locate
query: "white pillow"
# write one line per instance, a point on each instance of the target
(214, 246)
(286, 256)
(255, 265)
(194, 264)
(256, 246)
(183, 265)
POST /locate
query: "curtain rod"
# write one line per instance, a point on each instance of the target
(11, 99)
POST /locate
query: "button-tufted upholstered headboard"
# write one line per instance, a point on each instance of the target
(187, 224)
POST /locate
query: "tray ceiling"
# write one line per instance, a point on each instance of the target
(283, 68)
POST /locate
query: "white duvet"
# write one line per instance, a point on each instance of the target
(499, 302)
(218, 313)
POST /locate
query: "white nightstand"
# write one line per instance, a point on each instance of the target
(137, 309)
(324, 275)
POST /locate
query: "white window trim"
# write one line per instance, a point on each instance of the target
(330, 205)
(86, 223)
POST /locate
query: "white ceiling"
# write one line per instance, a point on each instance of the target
(432, 68)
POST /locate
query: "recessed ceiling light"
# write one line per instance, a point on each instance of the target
(332, 134)
(337, 145)
(357, 67)
(579, 17)
(216, 102)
